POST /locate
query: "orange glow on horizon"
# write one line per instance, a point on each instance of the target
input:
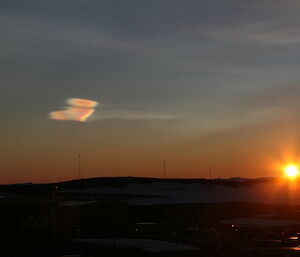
(285, 164)
(291, 171)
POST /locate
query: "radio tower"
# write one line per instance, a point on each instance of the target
(210, 184)
(79, 168)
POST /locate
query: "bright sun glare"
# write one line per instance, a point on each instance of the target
(291, 171)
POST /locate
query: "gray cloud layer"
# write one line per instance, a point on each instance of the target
(212, 61)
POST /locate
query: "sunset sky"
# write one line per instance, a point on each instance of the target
(198, 83)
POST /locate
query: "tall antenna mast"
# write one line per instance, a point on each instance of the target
(79, 168)
(164, 168)
(210, 185)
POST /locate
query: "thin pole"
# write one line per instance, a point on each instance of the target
(164, 168)
(79, 168)
(288, 193)
(210, 185)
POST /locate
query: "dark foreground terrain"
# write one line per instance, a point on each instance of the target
(115, 217)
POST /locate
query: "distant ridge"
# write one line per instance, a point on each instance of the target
(148, 191)
(123, 181)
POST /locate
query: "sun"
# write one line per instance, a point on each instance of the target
(291, 171)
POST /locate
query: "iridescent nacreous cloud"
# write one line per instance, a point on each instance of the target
(79, 110)
(79, 102)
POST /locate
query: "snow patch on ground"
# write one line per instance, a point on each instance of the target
(176, 193)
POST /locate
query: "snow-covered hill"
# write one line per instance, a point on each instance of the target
(272, 191)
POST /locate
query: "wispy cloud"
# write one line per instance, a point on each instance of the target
(123, 114)
(261, 33)
(81, 109)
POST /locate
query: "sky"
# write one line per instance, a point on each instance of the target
(199, 84)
